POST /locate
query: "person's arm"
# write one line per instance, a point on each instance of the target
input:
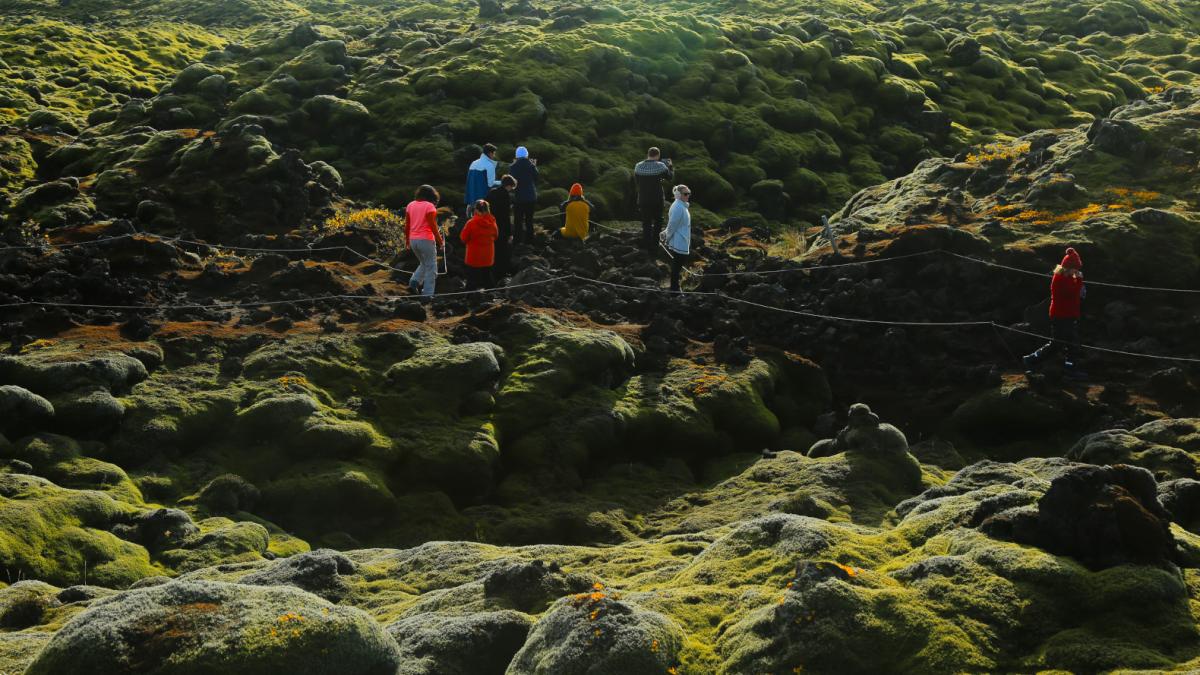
(407, 228)
(674, 222)
(563, 207)
(437, 231)
(491, 175)
(670, 172)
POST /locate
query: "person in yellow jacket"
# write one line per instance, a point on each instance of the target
(575, 214)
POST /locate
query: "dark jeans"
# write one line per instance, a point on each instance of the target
(503, 264)
(652, 224)
(523, 223)
(678, 262)
(478, 278)
(1064, 336)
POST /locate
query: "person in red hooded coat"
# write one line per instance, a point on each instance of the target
(1066, 295)
(479, 234)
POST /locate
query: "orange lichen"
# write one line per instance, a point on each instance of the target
(290, 381)
(706, 383)
(851, 571)
(996, 152)
(1120, 199)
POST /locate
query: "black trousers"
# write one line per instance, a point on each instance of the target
(503, 264)
(1064, 336)
(678, 262)
(652, 224)
(523, 223)
(478, 278)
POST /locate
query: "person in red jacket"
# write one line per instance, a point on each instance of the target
(1066, 292)
(479, 234)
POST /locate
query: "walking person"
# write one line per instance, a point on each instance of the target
(649, 175)
(677, 238)
(1066, 293)
(576, 212)
(500, 199)
(479, 234)
(525, 170)
(424, 237)
(481, 176)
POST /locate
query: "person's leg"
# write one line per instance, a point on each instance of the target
(658, 225)
(522, 213)
(529, 209)
(649, 239)
(503, 258)
(1045, 350)
(414, 282)
(677, 261)
(1070, 341)
(426, 251)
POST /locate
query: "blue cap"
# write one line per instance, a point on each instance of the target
(522, 152)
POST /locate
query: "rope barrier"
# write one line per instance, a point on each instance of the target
(46, 245)
(643, 289)
(1183, 359)
(847, 319)
(722, 296)
(813, 267)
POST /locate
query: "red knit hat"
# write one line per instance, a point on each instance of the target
(577, 190)
(1071, 260)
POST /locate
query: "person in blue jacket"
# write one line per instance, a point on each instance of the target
(677, 238)
(525, 170)
(481, 177)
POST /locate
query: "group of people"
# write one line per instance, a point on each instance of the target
(500, 210)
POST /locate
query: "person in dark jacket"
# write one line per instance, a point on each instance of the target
(500, 200)
(649, 175)
(1066, 294)
(525, 170)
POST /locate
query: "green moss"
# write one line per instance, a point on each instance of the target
(61, 536)
(16, 164)
(220, 541)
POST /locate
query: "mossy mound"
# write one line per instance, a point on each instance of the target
(196, 626)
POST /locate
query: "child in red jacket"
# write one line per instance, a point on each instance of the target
(1066, 292)
(479, 234)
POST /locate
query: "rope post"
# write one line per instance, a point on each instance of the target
(830, 236)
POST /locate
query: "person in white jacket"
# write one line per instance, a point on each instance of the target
(677, 238)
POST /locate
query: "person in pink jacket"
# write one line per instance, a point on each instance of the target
(424, 237)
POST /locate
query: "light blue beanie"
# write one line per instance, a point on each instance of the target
(522, 152)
